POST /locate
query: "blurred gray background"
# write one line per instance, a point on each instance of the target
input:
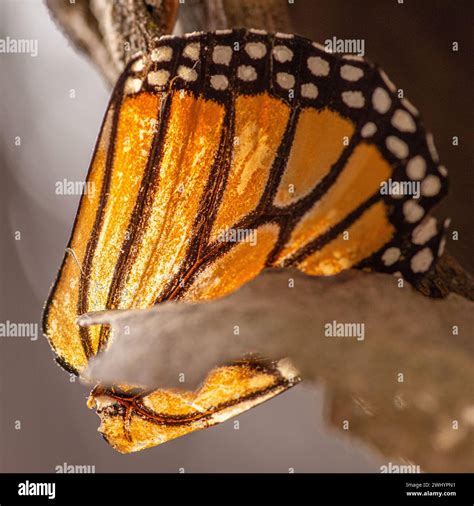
(411, 41)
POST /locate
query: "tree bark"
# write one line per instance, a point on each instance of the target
(208, 15)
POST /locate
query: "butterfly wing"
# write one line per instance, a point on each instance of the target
(220, 155)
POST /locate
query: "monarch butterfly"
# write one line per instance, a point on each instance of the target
(236, 130)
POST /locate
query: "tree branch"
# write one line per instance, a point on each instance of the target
(279, 314)
(208, 15)
(110, 33)
(80, 26)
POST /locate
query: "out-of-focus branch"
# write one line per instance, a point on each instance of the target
(111, 32)
(130, 26)
(80, 26)
(279, 314)
(208, 15)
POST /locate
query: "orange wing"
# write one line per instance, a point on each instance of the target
(222, 154)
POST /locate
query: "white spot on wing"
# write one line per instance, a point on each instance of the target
(353, 57)
(132, 85)
(381, 100)
(187, 73)
(162, 54)
(351, 73)
(192, 51)
(403, 121)
(432, 147)
(193, 34)
(443, 170)
(256, 50)
(284, 35)
(408, 105)
(138, 66)
(430, 186)
(442, 245)
(416, 168)
(158, 78)
(318, 66)
(368, 129)
(412, 211)
(219, 82)
(390, 256)
(282, 54)
(285, 80)
(246, 73)
(309, 90)
(353, 99)
(422, 261)
(388, 82)
(222, 55)
(258, 31)
(424, 231)
(396, 146)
